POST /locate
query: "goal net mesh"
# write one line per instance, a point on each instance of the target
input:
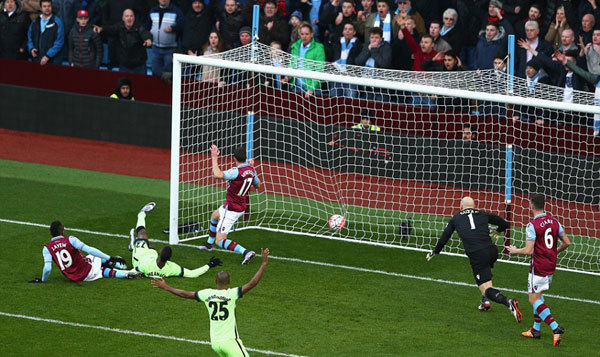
(398, 181)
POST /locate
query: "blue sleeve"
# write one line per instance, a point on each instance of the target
(256, 181)
(530, 232)
(86, 248)
(47, 264)
(60, 39)
(231, 174)
(561, 230)
(29, 42)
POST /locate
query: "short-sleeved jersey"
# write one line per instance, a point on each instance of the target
(69, 259)
(144, 261)
(221, 312)
(545, 231)
(239, 180)
(472, 228)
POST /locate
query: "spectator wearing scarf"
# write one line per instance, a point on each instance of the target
(382, 19)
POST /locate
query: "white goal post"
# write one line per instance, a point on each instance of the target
(397, 186)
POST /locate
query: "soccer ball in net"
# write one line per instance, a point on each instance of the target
(337, 222)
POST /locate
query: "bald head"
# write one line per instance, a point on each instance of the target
(587, 22)
(467, 202)
(223, 279)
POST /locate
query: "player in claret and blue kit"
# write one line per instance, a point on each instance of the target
(542, 236)
(65, 251)
(239, 181)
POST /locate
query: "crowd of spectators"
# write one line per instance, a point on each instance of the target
(418, 35)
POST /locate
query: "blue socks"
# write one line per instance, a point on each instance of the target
(212, 231)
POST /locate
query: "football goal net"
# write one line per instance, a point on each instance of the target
(393, 152)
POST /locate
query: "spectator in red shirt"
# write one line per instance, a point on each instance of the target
(421, 51)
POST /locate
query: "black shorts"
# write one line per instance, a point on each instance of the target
(482, 262)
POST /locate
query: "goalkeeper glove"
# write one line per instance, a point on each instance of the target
(494, 234)
(430, 255)
(113, 261)
(213, 262)
(36, 280)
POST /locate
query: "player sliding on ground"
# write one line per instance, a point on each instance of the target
(542, 236)
(66, 253)
(221, 303)
(472, 228)
(239, 180)
(149, 262)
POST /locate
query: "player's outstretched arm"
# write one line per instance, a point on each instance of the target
(47, 267)
(527, 250)
(498, 221)
(214, 154)
(162, 284)
(256, 278)
(213, 262)
(442, 241)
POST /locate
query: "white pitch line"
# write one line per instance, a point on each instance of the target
(137, 333)
(347, 267)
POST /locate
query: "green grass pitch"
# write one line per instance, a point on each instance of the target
(298, 308)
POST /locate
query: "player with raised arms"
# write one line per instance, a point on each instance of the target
(542, 236)
(239, 180)
(221, 303)
(472, 227)
(66, 253)
(149, 262)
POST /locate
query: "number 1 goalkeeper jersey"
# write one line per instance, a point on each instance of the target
(221, 311)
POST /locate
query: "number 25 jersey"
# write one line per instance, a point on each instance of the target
(221, 311)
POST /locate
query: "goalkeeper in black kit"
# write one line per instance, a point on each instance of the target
(472, 227)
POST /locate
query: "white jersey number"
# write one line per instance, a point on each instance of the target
(64, 259)
(471, 220)
(548, 238)
(246, 186)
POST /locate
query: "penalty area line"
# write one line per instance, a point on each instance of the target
(338, 266)
(136, 333)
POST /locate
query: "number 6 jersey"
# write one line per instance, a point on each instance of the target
(545, 231)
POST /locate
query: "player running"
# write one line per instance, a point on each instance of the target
(239, 180)
(542, 235)
(221, 303)
(149, 262)
(66, 253)
(472, 228)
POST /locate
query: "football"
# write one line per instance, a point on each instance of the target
(337, 222)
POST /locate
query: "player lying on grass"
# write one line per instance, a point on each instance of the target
(472, 228)
(542, 236)
(239, 180)
(66, 253)
(149, 262)
(221, 304)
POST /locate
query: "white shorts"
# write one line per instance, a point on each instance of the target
(227, 219)
(96, 271)
(537, 284)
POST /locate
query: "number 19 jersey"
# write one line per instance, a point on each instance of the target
(68, 258)
(221, 311)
